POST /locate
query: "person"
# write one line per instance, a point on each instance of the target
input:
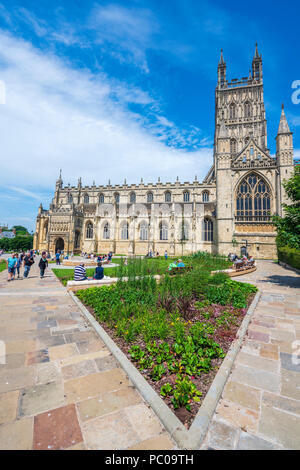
(172, 265)
(57, 257)
(80, 273)
(19, 263)
(250, 259)
(99, 271)
(166, 255)
(43, 264)
(11, 266)
(180, 264)
(28, 262)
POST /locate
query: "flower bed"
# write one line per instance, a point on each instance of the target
(176, 332)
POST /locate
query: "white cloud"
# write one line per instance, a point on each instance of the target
(58, 117)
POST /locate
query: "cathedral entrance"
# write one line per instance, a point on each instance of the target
(59, 245)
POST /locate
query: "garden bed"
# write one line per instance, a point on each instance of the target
(176, 332)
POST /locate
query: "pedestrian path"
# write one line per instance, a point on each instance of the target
(260, 405)
(60, 388)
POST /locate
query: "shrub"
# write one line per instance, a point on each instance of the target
(289, 256)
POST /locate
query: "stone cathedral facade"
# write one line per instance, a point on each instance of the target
(229, 210)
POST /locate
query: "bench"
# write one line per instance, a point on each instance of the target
(179, 269)
(79, 285)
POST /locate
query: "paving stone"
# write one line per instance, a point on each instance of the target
(238, 415)
(47, 341)
(243, 395)
(57, 429)
(46, 324)
(222, 436)
(36, 357)
(257, 362)
(280, 427)
(282, 335)
(290, 384)
(79, 369)
(256, 378)
(89, 346)
(13, 361)
(161, 442)
(14, 379)
(62, 351)
(290, 361)
(258, 335)
(110, 432)
(8, 406)
(16, 347)
(48, 372)
(17, 435)
(84, 357)
(80, 446)
(41, 398)
(106, 363)
(250, 442)
(108, 403)
(270, 351)
(277, 401)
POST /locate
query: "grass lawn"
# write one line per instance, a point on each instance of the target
(2, 265)
(177, 331)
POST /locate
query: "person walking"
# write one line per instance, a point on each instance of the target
(19, 263)
(11, 266)
(43, 264)
(28, 262)
(57, 257)
(166, 255)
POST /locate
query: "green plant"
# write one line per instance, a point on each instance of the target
(184, 393)
(157, 372)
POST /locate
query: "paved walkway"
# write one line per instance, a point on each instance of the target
(260, 405)
(60, 387)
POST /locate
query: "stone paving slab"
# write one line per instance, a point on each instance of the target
(60, 387)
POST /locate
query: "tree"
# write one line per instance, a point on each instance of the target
(288, 227)
(20, 230)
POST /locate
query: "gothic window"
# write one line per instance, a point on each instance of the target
(207, 231)
(183, 231)
(70, 198)
(246, 140)
(117, 198)
(77, 239)
(124, 232)
(205, 196)
(232, 111)
(186, 196)
(163, 231)
(233, 146)
(106, 231)
(168, 196)
(86, 199)
(253, 200)
(89, 230)
(247, 110)
(143, 231)
(132, 198)
(101, 199)
(150, 197)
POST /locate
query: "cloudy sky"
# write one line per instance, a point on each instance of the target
(113, 90)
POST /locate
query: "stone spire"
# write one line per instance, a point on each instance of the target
(221, 61)
(59, 181)
(283, 124)
(221, 70)
(256, 55)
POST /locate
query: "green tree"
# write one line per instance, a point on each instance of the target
(288, 227)
(20, 230)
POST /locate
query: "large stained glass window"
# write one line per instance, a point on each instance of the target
(253, 200)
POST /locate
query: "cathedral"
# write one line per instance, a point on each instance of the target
(229, 211)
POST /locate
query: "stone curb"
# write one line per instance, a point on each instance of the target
(186, 439)
(287, 266)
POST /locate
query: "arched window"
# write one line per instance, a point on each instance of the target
(89, 230)
(132, 198)
(149, 197)
(143, 231)
(186, 196)
(117, 198)
(232, 111)
(183, 231)
(70, 198)
(167, 196)
(247, 110)
(86, 199)
(205, 196)
(208, 230)
(246, 140)
(124, 232)
(77, 239)
(253, 199)
(163, 231)
(101, 198)
(106, 231)
(233, 146)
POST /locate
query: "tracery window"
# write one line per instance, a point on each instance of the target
(205, 196)
(132, 198)
(89, 230)
(86, 199)
(150, 197)
(233, 146)
(124, 232)
(106, 231)
(143, 231)
(232, 111)
(163, 231)
(117, 198)
(183, 231)
(208, 230)
(168, 196)
(70, 198)
(248, 110)
(253, 199)
(186, 196)
(101, 199)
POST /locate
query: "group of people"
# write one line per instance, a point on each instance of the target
(179, 264)
(246, 259)
(25, 260)
(80, 272)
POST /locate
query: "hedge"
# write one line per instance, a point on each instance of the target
(290, 256)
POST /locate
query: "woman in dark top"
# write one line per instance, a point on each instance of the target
(99, 272)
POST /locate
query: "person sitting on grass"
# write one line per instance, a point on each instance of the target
(99, 272)
(80, 273)
(180, 264)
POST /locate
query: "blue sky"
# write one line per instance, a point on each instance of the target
(114, 90)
